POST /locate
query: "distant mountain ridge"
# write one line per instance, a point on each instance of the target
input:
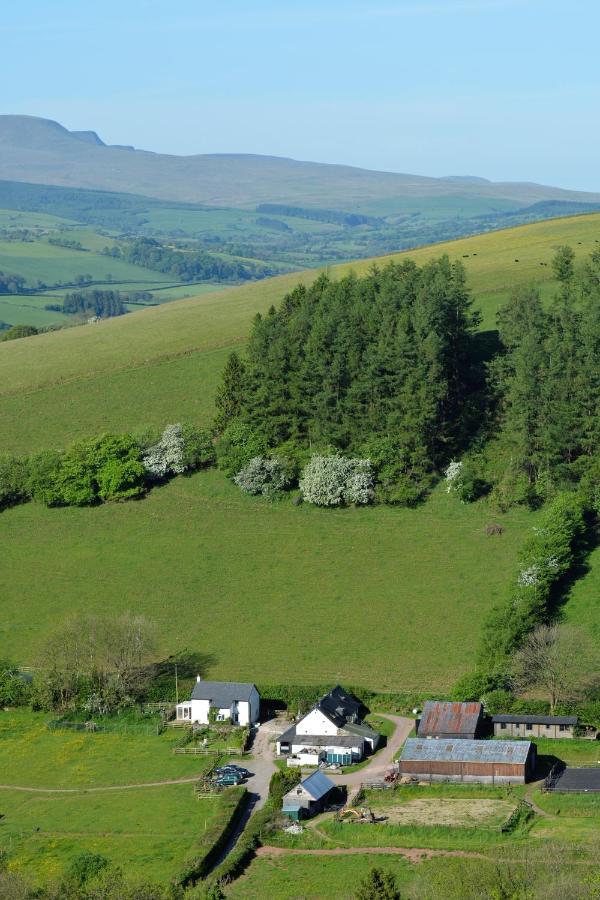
(42, 151)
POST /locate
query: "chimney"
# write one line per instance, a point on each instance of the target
(197, 678)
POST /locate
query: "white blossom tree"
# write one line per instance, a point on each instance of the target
(166, 457)
(335, 480)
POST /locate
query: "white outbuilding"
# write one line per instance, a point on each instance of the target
(233, 701)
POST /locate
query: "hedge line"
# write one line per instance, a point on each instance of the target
(214, 839)
(545, 561)
(235, 863)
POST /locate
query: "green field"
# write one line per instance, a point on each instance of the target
(395, 597)
(147, 831)
(388, 598)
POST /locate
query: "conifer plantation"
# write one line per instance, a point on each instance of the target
(383, 366)
(389, 367)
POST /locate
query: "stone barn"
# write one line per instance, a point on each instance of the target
(488, 762)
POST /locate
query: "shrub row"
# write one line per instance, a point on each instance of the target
(97, 470)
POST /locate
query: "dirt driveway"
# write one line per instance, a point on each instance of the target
(381, 763)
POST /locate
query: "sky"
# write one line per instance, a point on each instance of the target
(505, 89)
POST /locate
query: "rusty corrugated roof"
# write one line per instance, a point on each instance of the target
(441, 717)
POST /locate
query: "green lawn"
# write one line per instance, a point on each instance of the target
(573, 752)
(32, 755)
(314, 878)
(388, 598)
(147, 831)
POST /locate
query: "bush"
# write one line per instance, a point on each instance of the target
(167, 457)
(14, 691)
(463, 480)
(198, 448)
(19, 331)
(402, 472)
(282, 781)
(239, 444)
(475, 685)
(106, 468)
(43, 477)
(13, 481)
(335, 480)
(263, 475)
(86, 866)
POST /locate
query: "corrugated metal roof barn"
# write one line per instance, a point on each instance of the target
(468, 760)
(445, 719)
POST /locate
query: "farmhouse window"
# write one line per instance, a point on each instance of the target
(503, 726)
(562, 727)
(528, 727)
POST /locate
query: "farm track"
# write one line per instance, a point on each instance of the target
(189, 779)
(413, 854)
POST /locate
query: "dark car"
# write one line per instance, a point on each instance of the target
(229, 778)
(239, 770)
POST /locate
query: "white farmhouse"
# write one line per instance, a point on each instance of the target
(230, 700)
(332, 732)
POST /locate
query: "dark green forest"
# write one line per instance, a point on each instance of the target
(391, 367)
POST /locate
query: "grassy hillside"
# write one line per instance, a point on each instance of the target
(390, 598)
(163, 363)
(386, 597)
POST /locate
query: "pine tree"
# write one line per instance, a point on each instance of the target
(230, 393)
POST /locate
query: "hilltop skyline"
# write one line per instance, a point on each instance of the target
(503, 89)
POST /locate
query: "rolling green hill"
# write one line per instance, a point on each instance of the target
(163, 363)
(390, 598)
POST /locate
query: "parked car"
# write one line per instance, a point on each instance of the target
(221, 770)
(229, 778)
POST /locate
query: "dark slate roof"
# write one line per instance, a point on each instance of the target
(441, 717)
(317, 785)
(362, 730)
(332, 740)
(288, 734)
(222, 693)
(339, 706)
(460, 750)
(578, 780)
(318, 740)
(516, 719)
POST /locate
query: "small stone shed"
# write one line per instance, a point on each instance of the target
(443, 719)
(308, 798)
(488, 762)
(515, 725)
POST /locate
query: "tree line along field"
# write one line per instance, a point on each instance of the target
(199, 552)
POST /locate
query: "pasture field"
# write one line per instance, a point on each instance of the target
(34, 756)
(60, 265)
(145, 832)
(386, 598)
(81, 799)
(46, 368)
(315, 877)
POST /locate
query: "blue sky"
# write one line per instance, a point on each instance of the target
(507, 89)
